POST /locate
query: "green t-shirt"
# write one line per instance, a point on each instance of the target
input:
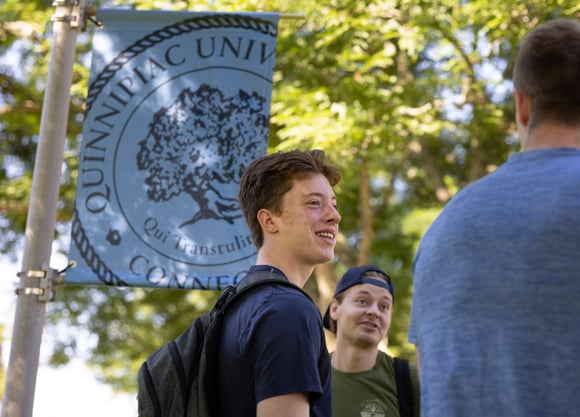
(371, 393)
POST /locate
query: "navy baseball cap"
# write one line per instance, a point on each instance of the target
(355, 276)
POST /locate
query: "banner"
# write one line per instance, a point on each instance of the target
(178, 105)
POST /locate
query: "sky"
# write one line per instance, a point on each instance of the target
(69, 391)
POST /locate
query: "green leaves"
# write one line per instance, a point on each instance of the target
(410, 98)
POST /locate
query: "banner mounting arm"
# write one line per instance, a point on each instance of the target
(76, 14)
(41, 283)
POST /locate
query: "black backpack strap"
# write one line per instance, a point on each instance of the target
(270, 276)
(150, 386)
(249, 282)
(180, 370)
(404, 387)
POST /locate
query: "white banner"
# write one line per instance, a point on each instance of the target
(178, 105)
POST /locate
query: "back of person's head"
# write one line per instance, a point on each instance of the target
(547, 69)
(266, 180)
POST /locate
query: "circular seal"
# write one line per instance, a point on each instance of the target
(171, 123)
(177, 168)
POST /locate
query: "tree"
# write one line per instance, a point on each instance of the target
(178, 153)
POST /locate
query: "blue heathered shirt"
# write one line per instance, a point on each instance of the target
(496, 304)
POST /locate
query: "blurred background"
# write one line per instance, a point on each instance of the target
(412, 99)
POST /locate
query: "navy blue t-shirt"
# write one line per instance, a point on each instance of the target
(272, 344)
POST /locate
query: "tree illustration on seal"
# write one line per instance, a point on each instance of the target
(198, 144)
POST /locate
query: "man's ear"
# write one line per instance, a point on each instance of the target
(523, 109)
(267, 221)
(333, 309)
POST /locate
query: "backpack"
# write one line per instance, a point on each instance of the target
(179, 379)
(404, 387)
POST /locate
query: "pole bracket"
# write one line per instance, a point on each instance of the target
(74, 13)
(41, 283)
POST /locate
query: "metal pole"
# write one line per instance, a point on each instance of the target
(36, 278)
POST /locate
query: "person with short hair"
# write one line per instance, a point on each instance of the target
(363, 377)
(495, 312)
(273, 359)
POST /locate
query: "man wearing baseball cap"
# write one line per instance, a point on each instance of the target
(363, 377)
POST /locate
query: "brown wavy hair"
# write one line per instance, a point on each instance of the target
(266, 180)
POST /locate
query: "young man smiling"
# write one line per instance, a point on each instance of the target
(363, 377)
(273, 359)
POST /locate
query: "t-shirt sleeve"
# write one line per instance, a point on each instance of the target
(284, 345)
